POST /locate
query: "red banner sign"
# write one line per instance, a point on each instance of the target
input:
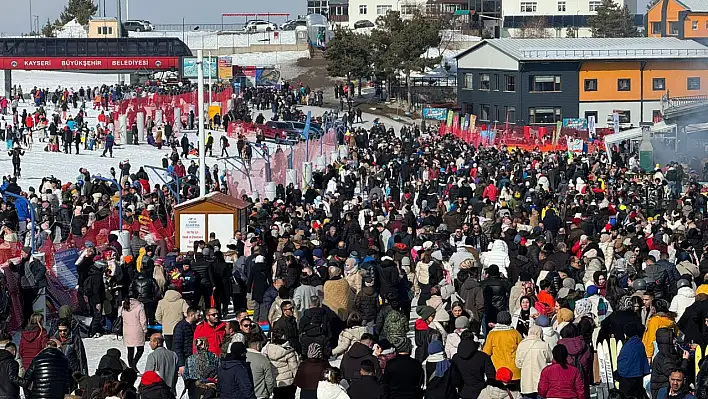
(88, 63)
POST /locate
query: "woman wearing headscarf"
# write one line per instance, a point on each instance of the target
(352, 273)
(563, 317)
(200, 370)
(532, 356)
(441, 376)
(523, 316)
(665, 360)
(561, 380)
(310, 372)
(585, 319)
(661, 319)
(338, 295)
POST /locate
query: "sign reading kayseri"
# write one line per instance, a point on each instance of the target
(89, 63)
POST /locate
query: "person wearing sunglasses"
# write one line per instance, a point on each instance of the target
(213, 329)
(73, 347)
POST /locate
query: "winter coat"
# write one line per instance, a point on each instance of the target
(145, 288)
(284, 363)
(388, 278)
(613, 325)
(495, 392)
(339, 297)
(632, 360)
(702, 381)
(683, 299)
(496, 297)
(686, 267)
(170, 310)
(692, 323)
(395, 325)
(368, 386)
(214, 335)
(157, 390)
(578, 349)
(32, 342)
(235, 379)
(164, 362)
(259, 281)
(659, 320)
(475, 366)
(501, 345)
(49, 375)
(472, 294)
(366, 303)
(328, 390)
(263, 378)
(403, 378)
(309, 373)
(289, 327)
(73, 349)
(444, 386)
(452, 342)
(182, 339)
(498, 255)
(683, 394)
(532, 356)
(351, 362)
(11, 382)
(348, 338)
(665, 360)
(134, 324)
(301, 297)
(561, 383)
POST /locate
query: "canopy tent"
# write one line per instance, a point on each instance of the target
(635, 133)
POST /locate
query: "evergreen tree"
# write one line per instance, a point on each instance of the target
(349, 55)
(49, 30)
(82, 10)
(612, 20)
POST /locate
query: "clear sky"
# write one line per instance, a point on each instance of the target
(15, 16)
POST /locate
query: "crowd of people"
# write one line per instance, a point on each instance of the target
(515, 265)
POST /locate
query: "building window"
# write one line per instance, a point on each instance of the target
(469, 81)
(383, 9)
(528, 6)
(484, 81)
(658, 84)
(675, 28)
(497, 113)
(544, 115)
(484, 115)
(509, 83)
(546, 83)
(496, 82)
(624, 84)
(656, 116)
(469, 108)
(590, 84)
(408, 9)
(510, 114)
(656, 28)
(693, 83)
(362, 9)
(694, 25)
(593, 5)
(561, 6)
(706, 24)
(588, 114)
(105, 30)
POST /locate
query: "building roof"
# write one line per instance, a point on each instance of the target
(217, 198)
(578, 49)
(103, 19)
(694, 5)
(338, 2)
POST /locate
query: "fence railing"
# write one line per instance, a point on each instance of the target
(191, 27)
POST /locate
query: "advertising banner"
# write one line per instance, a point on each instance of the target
(267, 76)
(575, 123)
(65, 267)
(225, 68)
(190, 71)
(438, 114)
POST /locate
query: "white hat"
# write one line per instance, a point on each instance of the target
(427, 245)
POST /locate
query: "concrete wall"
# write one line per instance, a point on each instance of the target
(262, 48)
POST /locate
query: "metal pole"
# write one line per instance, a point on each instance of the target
(120, 199)
(182, 29)
(127, 16)
(202, 133)
(30, 10)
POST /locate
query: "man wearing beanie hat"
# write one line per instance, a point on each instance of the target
(235, 377)
(502, 342)
(404, 375)
(424, 327)
(500, 387)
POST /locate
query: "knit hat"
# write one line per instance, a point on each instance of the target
(563, 293)
(525, 276)
(591, 290)
(462, 322)
(314, 351)
(27, 250)
(150, 377)
(405, 261)
(317, 253)
(402, 344)
(543, 321)
(504, 317)
(111, 362)
(425, 311)
(504, 375)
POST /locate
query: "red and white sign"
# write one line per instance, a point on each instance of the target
(88, 63)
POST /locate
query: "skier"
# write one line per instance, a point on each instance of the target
(16, 153)
(108, 145)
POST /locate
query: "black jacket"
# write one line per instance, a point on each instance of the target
(10, 382)
(366, 303)
(158, 390)
(368, 386)
(496, 297)
(38, 270)
(442, 387)
(49, 374)
(289, 326)
(351, 362)
(664, 361)
(74, 351)
(388, 278)
(259, 281)
(403, 378)
(94, 287)
(615, 322)
(182, 341)
(205, 271)
(144, 288)
(474, 365)
(692, 323)
(235, 379)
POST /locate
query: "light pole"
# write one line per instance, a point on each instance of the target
(200, 126)
(31, 21)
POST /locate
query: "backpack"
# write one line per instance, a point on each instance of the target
(578, 364)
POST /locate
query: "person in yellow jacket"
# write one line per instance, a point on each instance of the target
(501, 344)
(662, 319)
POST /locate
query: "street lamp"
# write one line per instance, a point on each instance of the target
(30, 12)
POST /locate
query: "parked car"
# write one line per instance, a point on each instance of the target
(293, 24)
(278, 131)
(260, 26)
(315, 130)
(364, 23)
(138, 25)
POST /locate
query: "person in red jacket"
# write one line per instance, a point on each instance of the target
(33, 339)
(213, 330)
(561, 380)
(490, 192)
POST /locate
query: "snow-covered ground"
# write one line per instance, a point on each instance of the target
(36, 163)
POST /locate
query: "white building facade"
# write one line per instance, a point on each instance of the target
(370, 10)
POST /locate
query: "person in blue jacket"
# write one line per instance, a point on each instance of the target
(235, 376)
(632, 363)
(677, 389)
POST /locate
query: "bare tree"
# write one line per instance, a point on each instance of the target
(535, 28)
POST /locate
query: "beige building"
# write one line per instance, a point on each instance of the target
(103, 27)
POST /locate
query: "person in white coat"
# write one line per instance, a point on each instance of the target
(284, 363)
(532, 356)
(683, 299)
(329, 388)
(497, 255)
